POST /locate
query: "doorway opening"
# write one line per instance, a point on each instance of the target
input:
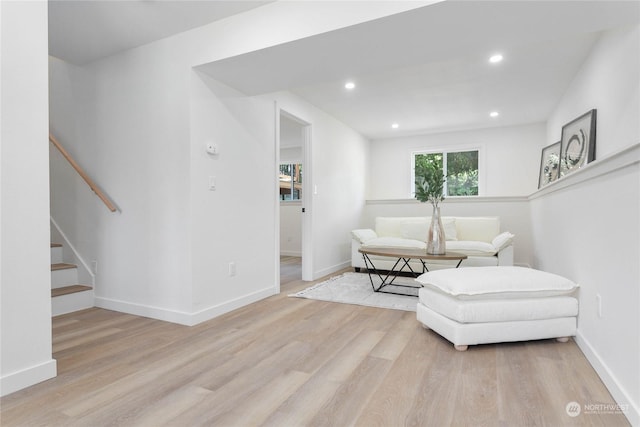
(294, 182)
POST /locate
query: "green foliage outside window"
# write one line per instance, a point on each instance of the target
(429, 178)
(460, 169)
(462, 173)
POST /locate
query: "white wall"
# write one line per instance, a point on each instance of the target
(291, 155)
(585, 226)
(125, 119)
(137, 122)
(291, 228)
(25, 298)
(236, 223)
(608, 81)
(509, 160)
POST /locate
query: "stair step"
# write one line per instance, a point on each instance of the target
(56, 253)
(63, 274)
(66, 290)
(62, 266)
(70, 302)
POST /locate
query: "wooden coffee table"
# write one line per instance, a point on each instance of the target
(403, 256)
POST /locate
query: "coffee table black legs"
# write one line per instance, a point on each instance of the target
(391, 275)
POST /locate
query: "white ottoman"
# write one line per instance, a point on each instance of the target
(480, 305)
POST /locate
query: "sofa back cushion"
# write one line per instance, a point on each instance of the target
(387, 226)
(413, 227)
(418, 230)
(481, 229)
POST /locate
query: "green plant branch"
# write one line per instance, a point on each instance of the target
(429, 184)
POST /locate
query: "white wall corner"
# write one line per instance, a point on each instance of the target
(153, 312)
(183, 317)
(331, 269)
(225, 307)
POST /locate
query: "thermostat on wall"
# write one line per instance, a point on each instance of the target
(211, 148)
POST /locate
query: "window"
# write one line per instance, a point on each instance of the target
(460, 168)
(290, 182)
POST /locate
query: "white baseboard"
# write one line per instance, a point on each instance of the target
(620, 395)
(182, 317)
(27, 377)
(220, 309)
(159, 313)
(329, 270)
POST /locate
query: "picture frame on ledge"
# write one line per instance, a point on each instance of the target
(549, 164)
(578, 143)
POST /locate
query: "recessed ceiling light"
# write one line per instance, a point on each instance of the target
(395, 126)
(349, 85)
(495, 58)
(494, 114)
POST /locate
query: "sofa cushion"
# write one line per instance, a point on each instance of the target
(415, 230)
(472, 248)
(363, 234)
(418, 230)
(502, 240)
(497, 282)
(390, 226)
(481, 229)
(498, 309)
(394, 242)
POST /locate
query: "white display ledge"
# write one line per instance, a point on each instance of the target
(620, 160)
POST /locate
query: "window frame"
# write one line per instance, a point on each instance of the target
(444, 165)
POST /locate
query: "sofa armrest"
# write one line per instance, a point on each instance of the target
(502, 240)
(358, 237)
(505, 256)
(503, 243)
(363, 234)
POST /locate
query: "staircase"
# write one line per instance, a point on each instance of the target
(66, 294)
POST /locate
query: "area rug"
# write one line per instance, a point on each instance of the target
(355, 288)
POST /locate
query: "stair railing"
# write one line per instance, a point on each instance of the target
(83, 174)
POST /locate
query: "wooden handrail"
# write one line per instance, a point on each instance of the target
(83, 174)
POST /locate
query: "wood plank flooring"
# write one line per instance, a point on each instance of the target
(297, 362)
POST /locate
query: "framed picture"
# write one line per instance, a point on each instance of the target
(578, 143)
(549, 164)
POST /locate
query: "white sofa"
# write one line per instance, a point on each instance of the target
(477, 237)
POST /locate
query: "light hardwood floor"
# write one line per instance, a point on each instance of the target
(296, 362)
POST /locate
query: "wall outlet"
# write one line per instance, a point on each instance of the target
(599, 304)
(232, 269)
(94, 266)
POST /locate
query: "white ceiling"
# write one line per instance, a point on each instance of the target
(81, 31)
(426, 69)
